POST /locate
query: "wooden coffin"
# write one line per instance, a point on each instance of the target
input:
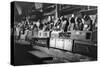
(68, 43)
(41, 41)
(94, 36)
(42, 34)
(52, 42)
(65, 35)
(81, 35)
(85, 48)
(59, 43)
(55, 34)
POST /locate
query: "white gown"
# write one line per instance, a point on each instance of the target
(23, 36)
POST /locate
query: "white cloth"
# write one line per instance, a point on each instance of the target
(17, 31)
(23, 36)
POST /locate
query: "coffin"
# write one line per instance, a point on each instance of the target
(81, 35)
(65, 35)
(59, 43)
(42, 34)
(94, 36)
(65, 44)
(44, 42)
(85, 48)
(55, 34)
(52, 42)
(68, 43)
(41, 55)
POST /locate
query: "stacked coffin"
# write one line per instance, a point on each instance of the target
(52, 42)
(55, 34)
(94, 36)
(42, 34)
(85, 47)
(53, 38)
(68, 43)
(83, 43)
(81, 35)
(65, 35)
(61, 41)
(42, 38)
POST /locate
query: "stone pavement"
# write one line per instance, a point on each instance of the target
(64, 55)
(59, 56)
